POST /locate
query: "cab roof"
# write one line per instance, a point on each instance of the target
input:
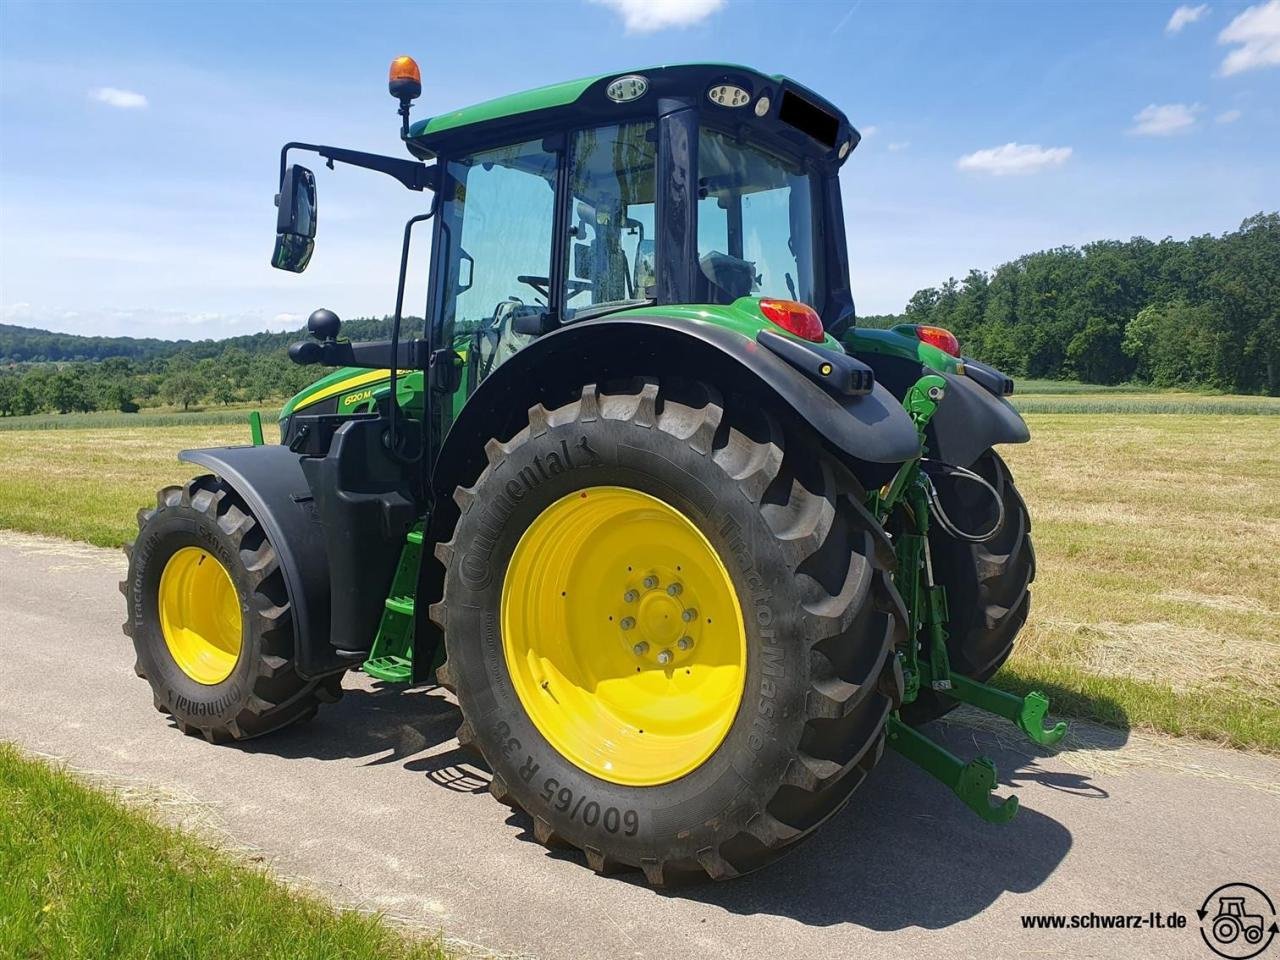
(560, 104)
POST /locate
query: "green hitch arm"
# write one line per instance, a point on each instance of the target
(255, 428)
(1027, 713)
(972, 782)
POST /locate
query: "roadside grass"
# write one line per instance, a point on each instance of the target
(1157, 602)
(85, 876)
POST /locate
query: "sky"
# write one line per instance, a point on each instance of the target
(139, 143)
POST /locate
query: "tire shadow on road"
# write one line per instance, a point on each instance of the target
(906, 853)
(379, 723)
(903, 853)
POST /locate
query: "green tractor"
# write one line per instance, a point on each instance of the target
(689, 547)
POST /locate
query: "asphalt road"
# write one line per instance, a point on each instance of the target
(373, 804)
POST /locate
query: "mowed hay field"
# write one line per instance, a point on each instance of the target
(1156, 604)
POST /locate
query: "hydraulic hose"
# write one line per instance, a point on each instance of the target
(940, 514)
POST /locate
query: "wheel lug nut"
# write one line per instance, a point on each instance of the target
(684, 643)
(650, 582)
(689, 615)
(675, 590)
(664, 657)
(640, 649)
(628, 623)
(630, 596)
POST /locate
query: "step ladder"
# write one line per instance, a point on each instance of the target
(391, 657)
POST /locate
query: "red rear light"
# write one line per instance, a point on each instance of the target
(794, 317)
(944, 340)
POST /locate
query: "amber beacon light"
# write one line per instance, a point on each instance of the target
(404, 79)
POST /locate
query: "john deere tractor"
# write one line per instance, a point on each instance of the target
(688, 546)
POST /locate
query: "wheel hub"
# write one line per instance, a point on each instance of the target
(623, 636)
(200, 615)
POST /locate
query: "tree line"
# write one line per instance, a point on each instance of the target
(151, 372)
(1203, 312)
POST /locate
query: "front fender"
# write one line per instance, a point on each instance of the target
(270, 479)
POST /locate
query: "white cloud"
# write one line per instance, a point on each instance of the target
(1257, 33)
(1228, 116)
(115, 97)
(870, 130)
(899, 145)
(1184, 15)
(649, 16)
(1014, 158)
(1163, 120)
(287, 321)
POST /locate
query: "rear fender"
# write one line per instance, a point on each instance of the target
(871, 432)
(968, 422)
(270, 480)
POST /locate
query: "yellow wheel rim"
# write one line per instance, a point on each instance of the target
(623, 636)
(200, 615)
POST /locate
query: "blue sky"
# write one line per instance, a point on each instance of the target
(139, 142)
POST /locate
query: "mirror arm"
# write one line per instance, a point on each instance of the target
(412, 174)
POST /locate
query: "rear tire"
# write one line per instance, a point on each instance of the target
(821, 620)
(262, 690)
(988, 584)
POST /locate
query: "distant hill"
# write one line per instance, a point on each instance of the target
(31, 345)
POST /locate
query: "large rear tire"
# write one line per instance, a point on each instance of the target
(210, 619)
(988, 584)
(662, 501)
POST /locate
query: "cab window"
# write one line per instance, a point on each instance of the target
(611, 236)
(497, 221)
(756, 223)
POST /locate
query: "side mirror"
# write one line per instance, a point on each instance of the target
(295, 220)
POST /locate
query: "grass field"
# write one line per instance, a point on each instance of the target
(87, 877)
(1157, 603)
(1141, 402)
(151, 417)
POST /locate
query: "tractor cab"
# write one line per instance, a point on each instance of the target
(697, 184)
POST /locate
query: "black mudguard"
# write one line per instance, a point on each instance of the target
(970, 421)
(873, 432)
(271, 481)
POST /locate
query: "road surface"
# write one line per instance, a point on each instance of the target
(373, 804)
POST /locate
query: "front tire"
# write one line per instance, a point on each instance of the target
(210, 617)
(565, 701)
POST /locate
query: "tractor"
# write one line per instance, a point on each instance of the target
(1231, 921)
(689, 547)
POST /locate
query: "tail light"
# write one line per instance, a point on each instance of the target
(796, 317)
(944, 340)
